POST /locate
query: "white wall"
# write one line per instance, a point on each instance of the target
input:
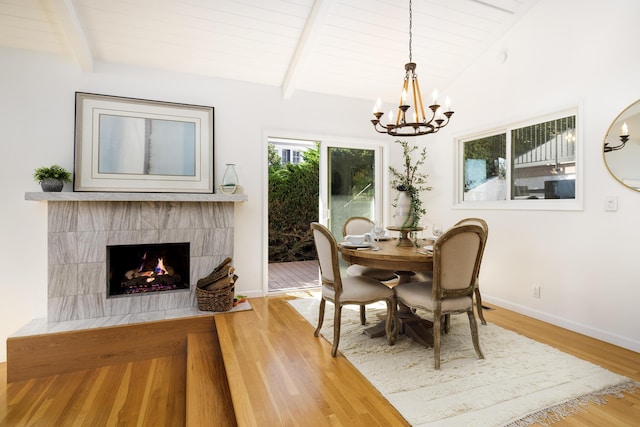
(37, 128)
(584, 261)
(562, 54)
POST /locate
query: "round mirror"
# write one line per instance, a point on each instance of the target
(621, 149)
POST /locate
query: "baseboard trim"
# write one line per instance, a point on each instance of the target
(580, 328)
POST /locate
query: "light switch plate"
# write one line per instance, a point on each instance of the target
(611, 203)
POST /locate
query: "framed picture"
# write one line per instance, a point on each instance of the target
(137, 145)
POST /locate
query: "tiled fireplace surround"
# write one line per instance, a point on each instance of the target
(81, 225)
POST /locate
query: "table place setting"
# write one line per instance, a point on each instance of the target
(366, 241)
(357, 241)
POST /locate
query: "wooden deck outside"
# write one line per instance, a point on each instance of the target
(293, 275)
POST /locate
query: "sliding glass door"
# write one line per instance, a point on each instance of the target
(350, 183)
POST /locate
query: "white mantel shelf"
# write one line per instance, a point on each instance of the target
(69, 196)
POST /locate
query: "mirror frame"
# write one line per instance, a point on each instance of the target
(91, 108)
(616, 153)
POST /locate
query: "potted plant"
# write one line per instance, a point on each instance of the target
(51, 178)
(409, 182)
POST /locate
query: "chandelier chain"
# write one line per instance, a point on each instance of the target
(410, 29)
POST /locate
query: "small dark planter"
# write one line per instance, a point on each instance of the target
(51, 185)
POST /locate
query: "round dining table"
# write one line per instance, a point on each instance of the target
(389, 255)
(405, 261)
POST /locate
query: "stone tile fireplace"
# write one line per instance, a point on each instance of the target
(82, 226)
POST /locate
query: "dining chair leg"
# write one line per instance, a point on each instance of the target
(474, 333)
(479, 306)
(363, 315)
(320, 317)
(336, 329)
(437, 328)
(391, 322)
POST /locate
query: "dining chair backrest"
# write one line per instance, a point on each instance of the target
(327, 251)
(482, 223)
(356, 225)
(457, 254)
(485, 227)
(477, 221)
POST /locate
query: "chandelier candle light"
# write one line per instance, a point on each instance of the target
(412, 123)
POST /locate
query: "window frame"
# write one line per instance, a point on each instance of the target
(285, 156)
(575, 204)
(296, 157)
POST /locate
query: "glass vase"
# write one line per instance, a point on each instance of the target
(230, 179)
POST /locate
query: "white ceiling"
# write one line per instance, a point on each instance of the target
(354, 48)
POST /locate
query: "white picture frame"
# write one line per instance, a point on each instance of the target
(138, 145)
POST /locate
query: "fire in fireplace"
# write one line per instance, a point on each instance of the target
(136, 269)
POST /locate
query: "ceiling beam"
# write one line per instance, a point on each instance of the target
(312, 28)
(72, 30)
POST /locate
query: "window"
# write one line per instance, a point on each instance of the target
(285, 155)
(296, 157)
(526, 165)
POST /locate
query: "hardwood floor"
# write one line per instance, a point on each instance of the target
(281, 375)
(143, 393)
(278, 374)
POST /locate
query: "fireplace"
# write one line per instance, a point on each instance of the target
(82, 225)
(144, 268)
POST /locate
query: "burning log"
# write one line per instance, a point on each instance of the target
(149, 278)
(134, 274)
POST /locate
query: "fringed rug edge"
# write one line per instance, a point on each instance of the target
(555, 413)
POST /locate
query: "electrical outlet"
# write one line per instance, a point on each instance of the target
(611, 203)
(536, 291)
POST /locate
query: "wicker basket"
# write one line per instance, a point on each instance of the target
(218, 300)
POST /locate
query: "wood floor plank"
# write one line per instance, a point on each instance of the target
(207, 392)
(135, 394)
(276, 369)
(115, 414)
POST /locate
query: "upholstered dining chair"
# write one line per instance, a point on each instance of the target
(456, 260)
(482, 223)
(356, 290)
(362, 225)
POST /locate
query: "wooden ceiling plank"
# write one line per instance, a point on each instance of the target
(311, 31)
(71, 28)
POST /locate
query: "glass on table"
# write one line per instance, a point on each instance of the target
(437, 229)
(424, 224)
(377, 230)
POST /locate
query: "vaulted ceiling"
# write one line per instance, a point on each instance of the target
(354, 48)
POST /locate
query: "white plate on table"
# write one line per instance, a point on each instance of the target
(350, 245)
(428, 248)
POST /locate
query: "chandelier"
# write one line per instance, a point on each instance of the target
(412, 122)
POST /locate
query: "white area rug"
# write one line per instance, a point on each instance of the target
(519, 382)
